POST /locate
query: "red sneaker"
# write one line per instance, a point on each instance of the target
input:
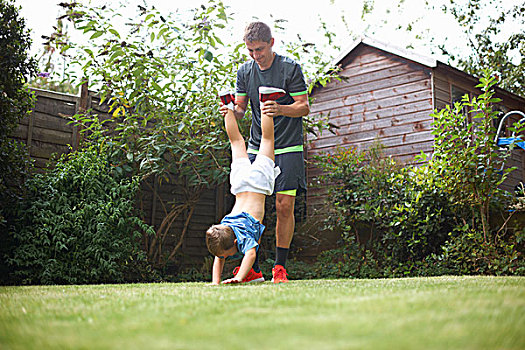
(279, 274)
(267, 93)
(227, 98)
(252, 276)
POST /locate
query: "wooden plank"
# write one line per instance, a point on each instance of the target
(351, 89)
(370, 105)
(54, 107)
(46, 121)
(45, 150)
(374, 76)
(410, 123)
(54, 95)
(52, 136)
(343, 116)
(382, 63)
(361, 144)
(441, 83)
(443, 97)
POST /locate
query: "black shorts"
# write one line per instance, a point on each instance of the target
(292, 176)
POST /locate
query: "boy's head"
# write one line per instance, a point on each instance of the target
(220, 240)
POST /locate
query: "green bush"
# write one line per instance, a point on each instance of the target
(390, 216)
(16, 102)
(434, 218)
(78, 225)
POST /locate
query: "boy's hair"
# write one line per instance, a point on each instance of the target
(219, 238)
(257, 31)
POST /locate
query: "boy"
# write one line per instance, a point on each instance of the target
(241, 230)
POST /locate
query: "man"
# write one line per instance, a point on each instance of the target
(269, 69)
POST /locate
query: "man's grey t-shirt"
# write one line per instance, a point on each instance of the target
(285, 74)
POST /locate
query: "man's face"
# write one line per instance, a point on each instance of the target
(261, 52)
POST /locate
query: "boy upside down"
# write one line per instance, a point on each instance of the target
(241, 230)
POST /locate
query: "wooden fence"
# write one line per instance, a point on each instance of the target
(48, 131)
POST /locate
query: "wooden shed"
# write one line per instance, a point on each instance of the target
(388, 94)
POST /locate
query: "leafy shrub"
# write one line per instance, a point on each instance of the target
(16, 102)
(78, 225)
(390, 216)
(430, 219)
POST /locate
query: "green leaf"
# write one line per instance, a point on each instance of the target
(114, 32)
(96, 35)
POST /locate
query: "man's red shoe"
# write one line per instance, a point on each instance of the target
(279, 274)
(252, 276)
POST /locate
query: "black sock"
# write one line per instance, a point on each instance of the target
(282, 255)
(255, 266)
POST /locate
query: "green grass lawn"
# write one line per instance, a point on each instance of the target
(415, 313)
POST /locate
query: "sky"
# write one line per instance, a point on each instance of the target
(303, 17)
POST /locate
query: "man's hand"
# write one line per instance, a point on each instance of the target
(271, 109)
(231, 281)
(223, 110)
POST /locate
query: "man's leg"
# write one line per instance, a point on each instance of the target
(284, 229)
(285, 226)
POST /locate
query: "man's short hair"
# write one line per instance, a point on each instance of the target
(219, 238)
(257, 31)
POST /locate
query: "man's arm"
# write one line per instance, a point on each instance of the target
(218, 265)
(241, 103)
(244, 269)
(299, 108)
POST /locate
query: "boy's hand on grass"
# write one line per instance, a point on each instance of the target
(231, 281)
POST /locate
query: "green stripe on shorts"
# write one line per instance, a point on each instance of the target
(298, 148)
(298, 93)
(289, 192)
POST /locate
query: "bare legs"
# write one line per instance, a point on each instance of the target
(285, 226)
(236, 140)
(266, 147)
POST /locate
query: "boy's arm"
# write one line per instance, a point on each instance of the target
(218, 265)
(246, 265)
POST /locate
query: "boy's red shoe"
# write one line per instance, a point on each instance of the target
(227, 98)
(267, 93)
(252, 276)
(279, 274)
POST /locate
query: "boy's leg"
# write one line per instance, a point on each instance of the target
(267, 140)
(236, 140)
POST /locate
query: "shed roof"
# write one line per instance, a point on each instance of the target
(415, 57)
(410, 55)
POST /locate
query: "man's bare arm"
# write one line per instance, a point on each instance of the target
(299, 108)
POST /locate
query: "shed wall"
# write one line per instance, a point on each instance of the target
(381, 97)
